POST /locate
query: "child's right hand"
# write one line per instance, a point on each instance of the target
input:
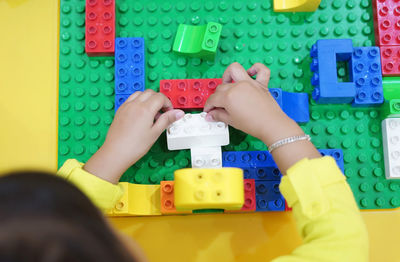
(248, 105)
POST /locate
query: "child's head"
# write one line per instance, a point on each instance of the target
(44, 218)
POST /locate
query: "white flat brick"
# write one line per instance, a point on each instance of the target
(206, 157)
(194, 131)
(391, 147)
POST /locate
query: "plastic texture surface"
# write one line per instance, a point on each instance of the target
(208, 188)
(181, 237)
(100, 27)
(193, 130)
(295, 105)
(386, 15)
(249, 204)
(326, 53)
(260, 165)
(392, 108)
(206, 157)
(268, 196)
(296, 5)
(198, 40)
(390, 58)
(391, 87)
(251, 33)
(138, 200)
(391, 146)
(189, 93)
(367, 76)
(129, 68)
(167, 199)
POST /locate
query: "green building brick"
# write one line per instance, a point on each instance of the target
(391, 87)
(392, 108)
(198, 41)
(252, 32)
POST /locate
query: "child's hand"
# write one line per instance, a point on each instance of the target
(247, 104)
(137, 125)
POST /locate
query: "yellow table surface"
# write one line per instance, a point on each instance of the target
(28, 139)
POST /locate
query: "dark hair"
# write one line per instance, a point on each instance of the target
(46, 219)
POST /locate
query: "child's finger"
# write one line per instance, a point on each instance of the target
(166, 119)
(234, 72)
(157, 102)
(146, 94)
(262, 72)
(218, 114)
(215, 100)
(133, 96)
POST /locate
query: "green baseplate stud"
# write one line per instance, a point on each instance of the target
(251, 32)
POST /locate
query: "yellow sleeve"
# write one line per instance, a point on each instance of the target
(326, 213)
(102, 193)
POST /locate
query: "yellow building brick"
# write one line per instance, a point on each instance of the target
(138, 200)
(296, 5)
(207, 188)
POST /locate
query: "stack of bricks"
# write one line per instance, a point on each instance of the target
(387, 34)
(364, 84)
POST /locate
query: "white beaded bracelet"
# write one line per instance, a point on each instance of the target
(288, 140)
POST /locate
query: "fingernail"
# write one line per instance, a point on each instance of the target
(179, 114)
(209, 117)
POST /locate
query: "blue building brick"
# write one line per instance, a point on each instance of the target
(337, 154)
(325, 54)
(129, 68)
(268, 196)
(260, 166)
(295, 105)
(257, 165)
(119, 100)
(367, 76)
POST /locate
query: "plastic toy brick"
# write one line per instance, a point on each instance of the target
(257, 165)
(386, 15)
(167, 199)
(296, 5)
(390, 56)
(391, 87)
(280, 41)
(325, 54)
(249, 204)
(129, 68)
(268, 196)
(287, 208)
(100, 27)
(295, 105)
(337, 154)
(219, 188)
(193, 130)
(138, 200)
(392, 108)
(198, 41)
(119, 100)
(391, 147)
(206, 157)
(367, 76)
(189, 93)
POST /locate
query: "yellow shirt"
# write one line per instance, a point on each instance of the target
(323, 205)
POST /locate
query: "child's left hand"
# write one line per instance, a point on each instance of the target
(137, 125)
